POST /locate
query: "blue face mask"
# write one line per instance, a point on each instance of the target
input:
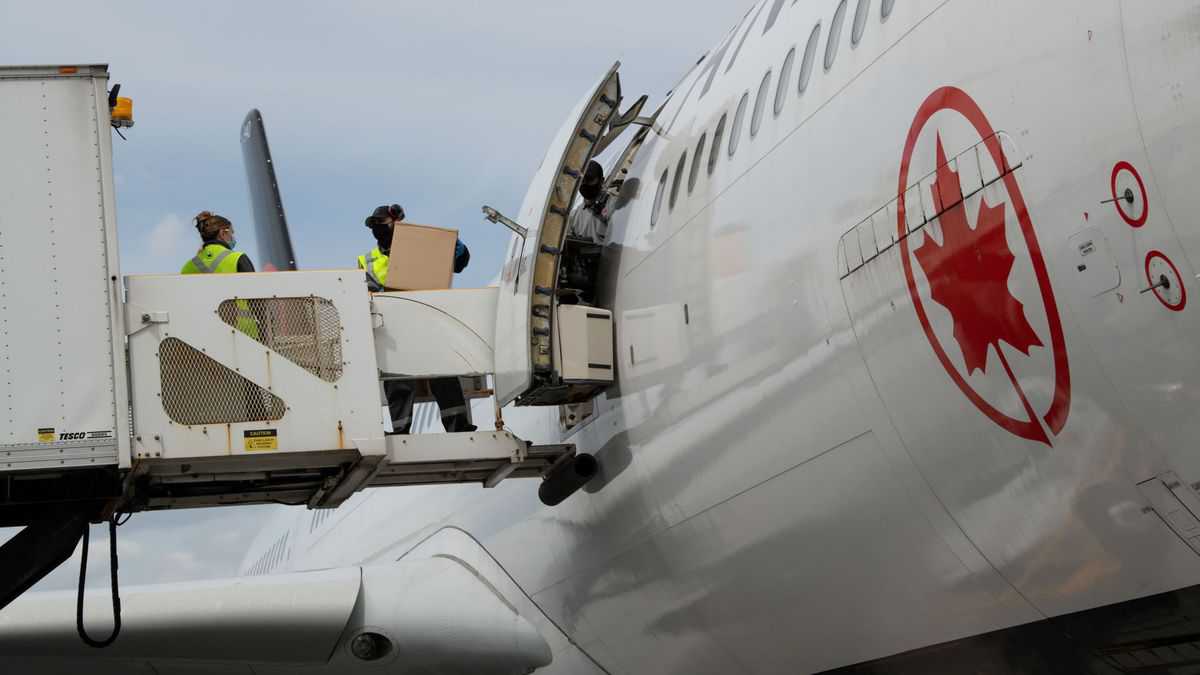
(233, 242)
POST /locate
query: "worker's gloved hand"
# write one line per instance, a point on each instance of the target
(462, 256)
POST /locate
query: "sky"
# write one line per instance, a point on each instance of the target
(437, 106)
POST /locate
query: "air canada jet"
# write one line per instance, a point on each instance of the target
(905, 297)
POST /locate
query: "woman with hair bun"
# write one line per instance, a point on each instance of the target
(216, 254)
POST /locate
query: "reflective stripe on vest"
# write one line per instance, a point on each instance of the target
(216, 262)
(245, 318)
(221, 260)
(375, 264)
(213, 259)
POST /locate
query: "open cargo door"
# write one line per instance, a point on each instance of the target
(524, 352)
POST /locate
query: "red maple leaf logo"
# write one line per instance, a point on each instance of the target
(968, 275)
(968, 271)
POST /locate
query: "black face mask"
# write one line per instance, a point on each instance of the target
(383, 235)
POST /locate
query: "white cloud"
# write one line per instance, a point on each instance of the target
(165, 547)
(169, 238)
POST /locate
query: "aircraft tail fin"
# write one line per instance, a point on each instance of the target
(270, 223)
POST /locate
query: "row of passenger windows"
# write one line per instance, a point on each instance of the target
(272, 557)
(858, 28)
(319, 517)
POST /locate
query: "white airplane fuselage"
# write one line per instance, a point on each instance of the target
(817, 456)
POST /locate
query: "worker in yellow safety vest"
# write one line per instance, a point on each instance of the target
(447, 390)
(375, 262)
(216, 256)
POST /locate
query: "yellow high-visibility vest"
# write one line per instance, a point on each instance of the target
(376, 265)
(218, 259)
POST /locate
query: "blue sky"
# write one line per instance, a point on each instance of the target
(441, 107)
(436, 106)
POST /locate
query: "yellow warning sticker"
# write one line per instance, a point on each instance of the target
(46, 435)
(260, 439)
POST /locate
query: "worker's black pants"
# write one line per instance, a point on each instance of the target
(446, 390)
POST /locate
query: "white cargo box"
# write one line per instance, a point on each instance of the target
(62, 373)
(583, 345)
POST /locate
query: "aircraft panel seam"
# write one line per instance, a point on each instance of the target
(651, 534)
(1137, 113)
(567, 636)
(878, 396)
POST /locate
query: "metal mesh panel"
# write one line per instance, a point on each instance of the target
(197, 389)
(305, 331)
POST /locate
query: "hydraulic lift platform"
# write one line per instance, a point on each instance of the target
(149, 392)
(325, 479)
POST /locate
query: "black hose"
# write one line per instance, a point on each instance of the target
(116, 591)
(567, 478)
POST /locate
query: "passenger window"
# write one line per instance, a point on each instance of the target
(696, 162)
(785, 75)
(739, 120)
(772, 15)
(759, 104)
(741, 42)
(678, 178)
(860, 21)
(885, 10)
(715, 151)
(835, 35)
(658, 198)
(810, 55)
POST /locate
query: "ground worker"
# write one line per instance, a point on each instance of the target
(446, 390)
(590, 220)
(381, 223)
(216, 252)
(587, 232)
(216, 255)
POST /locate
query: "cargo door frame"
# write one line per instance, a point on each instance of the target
(528, 287)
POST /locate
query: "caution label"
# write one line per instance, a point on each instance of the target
(46, 435)
(260, 439)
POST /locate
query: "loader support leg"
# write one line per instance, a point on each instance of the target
(37, 550)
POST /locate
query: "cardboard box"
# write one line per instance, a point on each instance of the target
(421, 258)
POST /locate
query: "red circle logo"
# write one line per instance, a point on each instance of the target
(1122, 201)
(1156, 261)
(968, 275)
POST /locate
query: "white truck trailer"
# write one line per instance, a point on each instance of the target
(125, 394)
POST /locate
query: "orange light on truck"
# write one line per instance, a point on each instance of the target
(122, 112)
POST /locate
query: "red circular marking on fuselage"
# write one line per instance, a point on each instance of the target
(957, 100)
(1118, 200)
(1177, 307)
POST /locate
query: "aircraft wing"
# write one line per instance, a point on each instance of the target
(435, 615)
